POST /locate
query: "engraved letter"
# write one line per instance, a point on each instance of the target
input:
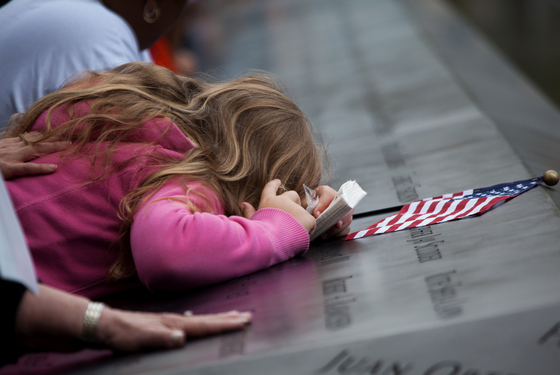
(332, 363)
(554, 331)
(452, 368)
(396, 369)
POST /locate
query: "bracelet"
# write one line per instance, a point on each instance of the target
(91, 318)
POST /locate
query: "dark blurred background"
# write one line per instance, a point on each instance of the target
(527, 32)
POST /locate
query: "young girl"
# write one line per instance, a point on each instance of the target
(173, 167)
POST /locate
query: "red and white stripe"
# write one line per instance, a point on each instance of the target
(431, 211)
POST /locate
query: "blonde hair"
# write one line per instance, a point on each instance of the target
(247, 133)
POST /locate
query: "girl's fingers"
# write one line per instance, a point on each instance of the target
(288, 202)
(326, 194)
(336, 232)
(271, 188)
(248, 210)
(293, 196)
(347, 220)
(341, 228)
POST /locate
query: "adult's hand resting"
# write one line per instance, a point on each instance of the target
(16, 152)
(53, 320)
(131, 331)
(288, 201)
(326, 194)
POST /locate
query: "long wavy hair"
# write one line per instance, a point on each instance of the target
(247, 132)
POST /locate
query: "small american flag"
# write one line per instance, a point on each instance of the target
(447, 207)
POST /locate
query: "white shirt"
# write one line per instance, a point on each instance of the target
(15, 259)
(44, 42)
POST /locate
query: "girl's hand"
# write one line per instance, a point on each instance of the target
(15, 152)
(288, 201)
(326, 194)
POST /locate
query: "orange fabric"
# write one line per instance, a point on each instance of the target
(162, 53)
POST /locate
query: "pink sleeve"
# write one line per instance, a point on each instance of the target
(176, 249)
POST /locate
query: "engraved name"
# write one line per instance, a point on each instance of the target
(332, 255)
(442, 289)
(456, 368)
(232, 344)
(241, 287)
(392, 155)
(405, 188)
(425, 244)
(552, 335)
(337, 303)
(346, 363)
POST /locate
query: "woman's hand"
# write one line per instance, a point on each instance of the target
(326, 194)
(53, 320)
(15, 153)
(132, 331)
(288, 201)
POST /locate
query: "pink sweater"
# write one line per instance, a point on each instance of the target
(72, 227)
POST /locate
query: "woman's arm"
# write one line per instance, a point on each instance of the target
(53, 320)
(174, 248)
